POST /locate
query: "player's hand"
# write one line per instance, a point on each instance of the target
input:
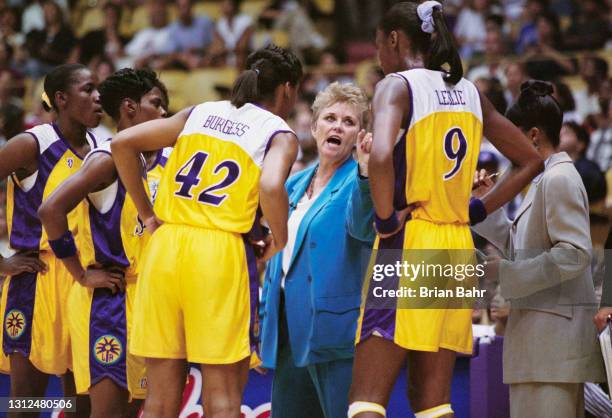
(364, 146)
(96, 278)
(402, 215)
(21, 263)
(261, 370)
(602, 317)
(271, 248)
(482, 184)
(152, 223)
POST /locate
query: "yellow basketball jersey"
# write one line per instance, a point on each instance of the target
(211, 179)
(111, 233)
(155, 173)
(56, 162)
(435, 158)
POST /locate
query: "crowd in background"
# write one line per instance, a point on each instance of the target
(503, 43)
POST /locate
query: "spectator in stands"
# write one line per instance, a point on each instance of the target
(9, 28)
(544, 61)
(107, 41)
(233, 35)
(589, 29)
(291, 17)
(149, 45)
(566, 101)
(50, 46)
(594, 71)
(600, 149)
(528, 34)
(516, 74)
(494, 91)
(470, 30)
(574, 140)
(11, 107)
(190, 37)
(494, 55)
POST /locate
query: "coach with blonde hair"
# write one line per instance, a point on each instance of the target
(312, 289)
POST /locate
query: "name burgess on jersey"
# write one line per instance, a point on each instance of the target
(225, 126)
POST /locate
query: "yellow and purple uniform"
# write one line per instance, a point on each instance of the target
(34, 305)
(198, 288)
(112, 236)
(434, 162)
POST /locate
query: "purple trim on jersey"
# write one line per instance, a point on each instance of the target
(377, 317)
(254, 293)
(159, 159)
(93, 138)
(108, 337)
(64, 140)
(269, 143)
(26, 229)
(106, 232)
(399, 157)
(20, 311)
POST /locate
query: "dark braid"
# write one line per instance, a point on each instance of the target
(267, 69)
(128, 84)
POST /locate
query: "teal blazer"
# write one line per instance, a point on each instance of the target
(323, 284)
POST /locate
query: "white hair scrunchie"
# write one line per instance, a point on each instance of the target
(425, 12)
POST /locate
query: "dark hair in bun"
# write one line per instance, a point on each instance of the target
(537, 108)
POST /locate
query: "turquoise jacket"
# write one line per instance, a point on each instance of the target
(323, 284)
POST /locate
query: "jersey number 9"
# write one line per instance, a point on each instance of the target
(457, 155)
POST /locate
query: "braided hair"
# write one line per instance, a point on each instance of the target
(267, 68)
(536, 107)
(128, 83)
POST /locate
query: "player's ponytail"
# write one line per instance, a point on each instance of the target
(267, 69)
(426, 28)
(443, 50)
(245, 88)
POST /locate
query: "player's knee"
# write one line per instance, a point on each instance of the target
(436, 412)
(362, 408)
(223, 406)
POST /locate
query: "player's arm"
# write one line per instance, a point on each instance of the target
(97, 173)
(390, 104)
(19, 155)
(127, 146)
(510, 141)
(273, 197)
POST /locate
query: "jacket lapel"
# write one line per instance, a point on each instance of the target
(558, 158)
(338, 179)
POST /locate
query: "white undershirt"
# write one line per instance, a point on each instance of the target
(292, 229)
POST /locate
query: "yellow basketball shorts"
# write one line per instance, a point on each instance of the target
(99, 323)
(196, 296)
(34, 316)
(421, 329)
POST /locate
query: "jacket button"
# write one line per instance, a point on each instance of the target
(513, 227)
(313, 245)
(310, 278)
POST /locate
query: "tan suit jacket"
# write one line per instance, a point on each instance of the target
(547, 278)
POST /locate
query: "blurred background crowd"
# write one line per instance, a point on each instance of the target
(198, 47)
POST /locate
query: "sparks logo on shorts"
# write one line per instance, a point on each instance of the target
(140, 227)
(15, 323)
(143, 383)
(70, 162)
(108, 349)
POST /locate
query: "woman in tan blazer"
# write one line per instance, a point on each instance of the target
(550, 348)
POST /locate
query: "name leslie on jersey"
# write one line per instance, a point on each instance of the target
(450, 97)
(225, 126)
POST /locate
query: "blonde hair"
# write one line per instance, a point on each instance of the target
(342, 93)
